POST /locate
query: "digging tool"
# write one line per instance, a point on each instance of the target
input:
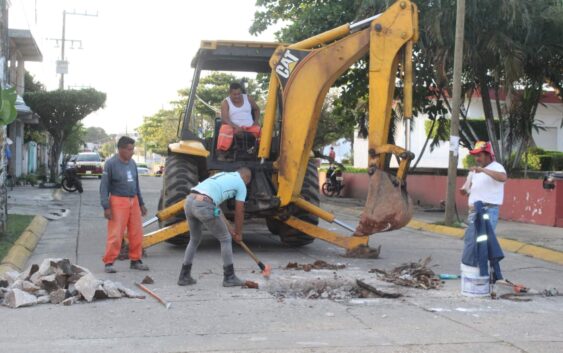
(266, 269)
(166, 304)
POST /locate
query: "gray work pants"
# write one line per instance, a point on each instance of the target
(197, 214)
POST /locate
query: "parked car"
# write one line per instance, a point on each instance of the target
(143, 169)
(89, 164)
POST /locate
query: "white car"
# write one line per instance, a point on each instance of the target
(143, 170)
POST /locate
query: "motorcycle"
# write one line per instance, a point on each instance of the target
(334, 182)
(70, 181)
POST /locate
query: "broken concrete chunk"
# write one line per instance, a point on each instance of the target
(57, 296)
(87, 286)
(101, 293)
(61, 280)
(18, 284)
(30, 287)
(111, 289)
(41, 293)
(4, 283)
(71, 300)
(25, 275)
(47, 267)
(72, 290)
(11, 276)
(76, 269)
(128, 292)
(17, 298)
(44, 299)
(49, 283)
(63, 267)
(147, 280)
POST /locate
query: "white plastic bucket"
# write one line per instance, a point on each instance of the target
(472, 283)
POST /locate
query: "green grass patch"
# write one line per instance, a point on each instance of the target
(16, 224)
(455, 224)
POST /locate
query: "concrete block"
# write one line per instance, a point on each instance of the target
(87, 286)
(44, 299)
(16, 298)
(49, 283)
(57, 296)
(111, 289)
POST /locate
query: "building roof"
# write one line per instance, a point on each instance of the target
(25, 44)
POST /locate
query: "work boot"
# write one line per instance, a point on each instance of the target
(138, 265)
(109, 268)
(229, 278)
(185, 276)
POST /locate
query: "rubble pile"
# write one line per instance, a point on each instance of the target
(317, 265)
(414, 274)
(57, 281)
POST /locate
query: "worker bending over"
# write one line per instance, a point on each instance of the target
(202, 207)
(239, 112)
(486, 184)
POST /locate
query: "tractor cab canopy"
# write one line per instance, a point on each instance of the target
(234, 56)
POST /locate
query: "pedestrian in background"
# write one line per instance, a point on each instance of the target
(123, 205)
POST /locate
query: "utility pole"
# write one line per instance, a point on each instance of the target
(456, 104)
(62, 64)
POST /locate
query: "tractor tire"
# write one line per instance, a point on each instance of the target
(310, 192)
(180, 175)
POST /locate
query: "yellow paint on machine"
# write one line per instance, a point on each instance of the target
(189, 147)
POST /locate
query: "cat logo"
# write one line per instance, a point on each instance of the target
(288, 62)
(286, 65)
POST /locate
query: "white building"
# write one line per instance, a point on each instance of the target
(549, 115)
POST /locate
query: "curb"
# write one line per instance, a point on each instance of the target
(23, 247)
(514, 246)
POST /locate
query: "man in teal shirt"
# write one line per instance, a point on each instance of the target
(202, 207)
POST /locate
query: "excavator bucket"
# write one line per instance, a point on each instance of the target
(388, 206)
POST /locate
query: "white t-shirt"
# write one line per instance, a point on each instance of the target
(486, 189)
(241, 116)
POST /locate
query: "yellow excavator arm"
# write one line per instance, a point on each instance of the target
(305, 71)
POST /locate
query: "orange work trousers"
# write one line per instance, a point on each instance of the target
(125, 214)
(226, 135)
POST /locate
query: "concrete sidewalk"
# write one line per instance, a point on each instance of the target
(524, 234)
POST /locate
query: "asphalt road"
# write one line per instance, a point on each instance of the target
(208, 317)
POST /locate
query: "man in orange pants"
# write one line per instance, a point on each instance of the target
(239, 112)
(123, 206)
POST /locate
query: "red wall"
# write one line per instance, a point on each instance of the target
(525, 200)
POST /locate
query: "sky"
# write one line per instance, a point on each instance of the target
(138, 52)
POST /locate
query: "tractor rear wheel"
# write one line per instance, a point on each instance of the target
(181, 173)
(310, 192)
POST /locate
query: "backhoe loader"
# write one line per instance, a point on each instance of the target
(284, 189)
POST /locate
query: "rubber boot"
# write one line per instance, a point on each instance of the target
(185, 276)
(229, 278)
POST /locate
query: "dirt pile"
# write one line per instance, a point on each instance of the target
(317, 265)
(414, 274)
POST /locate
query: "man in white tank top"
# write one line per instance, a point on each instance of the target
(239, 112)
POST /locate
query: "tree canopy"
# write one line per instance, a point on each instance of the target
(95, 134)
(61, 111)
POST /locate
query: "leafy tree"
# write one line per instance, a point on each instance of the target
(60, 111)
(75, 140)
(95, 134)
(31, 84)
(109, 148)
